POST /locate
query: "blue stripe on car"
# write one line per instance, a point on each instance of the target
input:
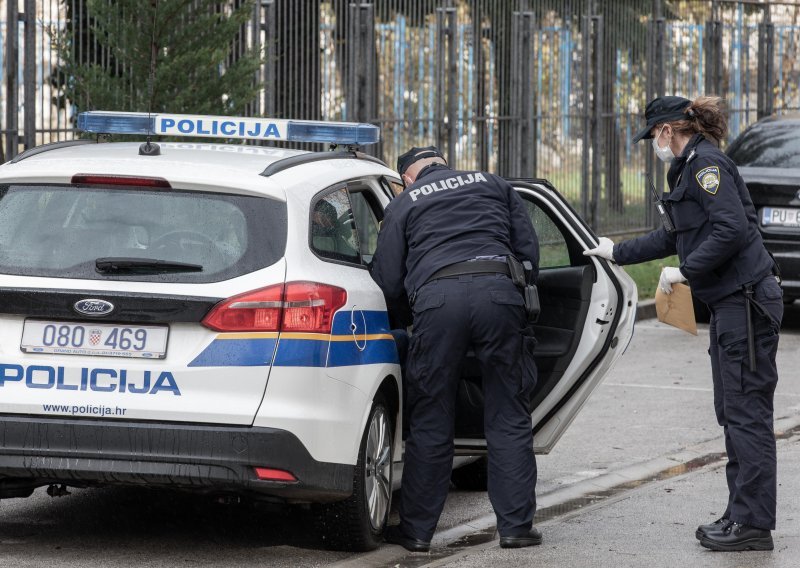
(232, 351)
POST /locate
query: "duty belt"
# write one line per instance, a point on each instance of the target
(472, 267)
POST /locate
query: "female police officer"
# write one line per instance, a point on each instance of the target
(723, 258)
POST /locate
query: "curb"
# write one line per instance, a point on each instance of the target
(646, 310)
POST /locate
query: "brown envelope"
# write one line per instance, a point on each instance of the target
(676, 309)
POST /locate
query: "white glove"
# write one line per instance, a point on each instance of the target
(669, 276)
(604, 249)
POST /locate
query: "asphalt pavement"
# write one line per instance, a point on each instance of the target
(640, 467)
(634, 474)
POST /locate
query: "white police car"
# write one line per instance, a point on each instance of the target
(200, 316)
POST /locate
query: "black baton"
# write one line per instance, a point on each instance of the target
(751, 339)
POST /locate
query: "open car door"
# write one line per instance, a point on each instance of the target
(588, 307)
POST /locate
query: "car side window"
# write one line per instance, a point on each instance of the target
(553, 249)
(367, 222)
(333, 229)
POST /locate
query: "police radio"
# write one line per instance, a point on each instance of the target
(666, 220)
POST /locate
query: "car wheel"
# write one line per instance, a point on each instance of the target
(788, 300)
(473, 476)
(357, 523)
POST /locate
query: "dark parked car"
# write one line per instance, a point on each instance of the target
(768, 156)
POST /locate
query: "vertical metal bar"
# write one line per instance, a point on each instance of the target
(511, 142)
(598, 126)
(766, 65)
(714, 62)
(361, 93)
(650, 89)
(532, 100)
(587, 125)
(769, 78)
(447, 82)
(370, 64)
(255, 33)
(270, 56)
(29, 75)
(525, 143)
(655, 88)
(441, 38)
(481, 126)
(452, 86)
(353, 63)
(12, 71)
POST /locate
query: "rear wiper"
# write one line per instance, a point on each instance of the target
(143, 265)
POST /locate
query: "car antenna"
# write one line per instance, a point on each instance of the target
(149, 148)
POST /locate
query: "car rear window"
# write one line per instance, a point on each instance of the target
(768, 146)
(60, 231)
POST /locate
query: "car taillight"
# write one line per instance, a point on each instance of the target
(296, 307)
(108, 179)
(309, 306)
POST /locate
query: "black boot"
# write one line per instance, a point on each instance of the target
(719, 524)
(532, 538)
(734, 537)
(393, 535)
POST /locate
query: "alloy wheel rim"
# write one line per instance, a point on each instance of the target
(377, 462)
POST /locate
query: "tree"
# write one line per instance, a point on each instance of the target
(160, 55)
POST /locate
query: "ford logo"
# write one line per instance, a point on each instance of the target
(92, 307)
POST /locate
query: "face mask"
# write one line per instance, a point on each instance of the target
(664, 154)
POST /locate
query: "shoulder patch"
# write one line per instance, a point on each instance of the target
(708, 178)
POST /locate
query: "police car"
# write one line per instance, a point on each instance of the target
(201, 317)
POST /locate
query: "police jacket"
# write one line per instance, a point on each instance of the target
(445, 217)
(716, 233)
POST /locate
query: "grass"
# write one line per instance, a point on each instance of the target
(646, 275)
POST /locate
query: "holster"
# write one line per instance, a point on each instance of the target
(520, 275)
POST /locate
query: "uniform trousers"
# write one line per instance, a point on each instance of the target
(451, 315)
(743, 401)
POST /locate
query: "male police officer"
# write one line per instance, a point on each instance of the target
(446, 242)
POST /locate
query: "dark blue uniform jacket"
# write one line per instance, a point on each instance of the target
(716, 233)
(449, 216)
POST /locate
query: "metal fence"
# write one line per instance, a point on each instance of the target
(528, 88)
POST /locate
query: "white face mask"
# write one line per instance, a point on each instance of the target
(664, 154)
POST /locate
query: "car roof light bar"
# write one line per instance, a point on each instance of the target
(243, 128)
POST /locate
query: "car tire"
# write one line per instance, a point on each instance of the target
(472, 477)
(788, 300)
(357, 523)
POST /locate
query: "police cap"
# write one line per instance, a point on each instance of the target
(660, 110)
(415, 154)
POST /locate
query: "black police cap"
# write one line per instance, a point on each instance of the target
(415, 154)
(660, 110)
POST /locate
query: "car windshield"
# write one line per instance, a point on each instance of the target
(768, 146)
(62, 231)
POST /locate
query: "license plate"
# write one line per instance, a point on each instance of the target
(95, 339)
(780, 217)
